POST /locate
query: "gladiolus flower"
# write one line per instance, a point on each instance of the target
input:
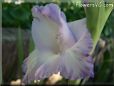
(59, 46)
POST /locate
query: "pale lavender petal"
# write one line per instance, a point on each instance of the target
(72, 64)
(84, 44)
(82, 35)
(46, 28)
(24, 66)
(53, 12)
(78, 27)
(74, 61)
(63, 16)
(48, 68)
(76, 67)
(33, 62)
(36, 10)
(69, 64)
(44, 34)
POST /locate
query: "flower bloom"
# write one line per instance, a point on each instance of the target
(59, 46)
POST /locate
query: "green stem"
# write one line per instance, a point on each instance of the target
(20, 49)
(0, 44)
(31, 44)
(0, 71)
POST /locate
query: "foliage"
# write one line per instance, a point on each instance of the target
(96, 19)
(0, 70)
(20, 16)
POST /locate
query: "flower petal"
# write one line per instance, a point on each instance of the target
(44, 34)
(75, 62)
(33, 62)
(24, 66)
(82, 35)
(48, 68)
(45, 26)
(49, 21)
(53, 12)
(71, 65)
(74, 66)
(63, 16)
(78, 27)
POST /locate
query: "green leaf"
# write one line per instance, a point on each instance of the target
(0, 71)
(31, 44)
(96, 19)
(0, 46)
(20, 49)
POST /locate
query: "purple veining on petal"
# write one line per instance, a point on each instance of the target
(75, 62)
(90, 59)
(63, 71)
(72, 74)
(61, 67)
(47, 69)
(83, 44)
(53, 12)
(88, 67)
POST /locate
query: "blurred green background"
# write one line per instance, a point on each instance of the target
(17, 41)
